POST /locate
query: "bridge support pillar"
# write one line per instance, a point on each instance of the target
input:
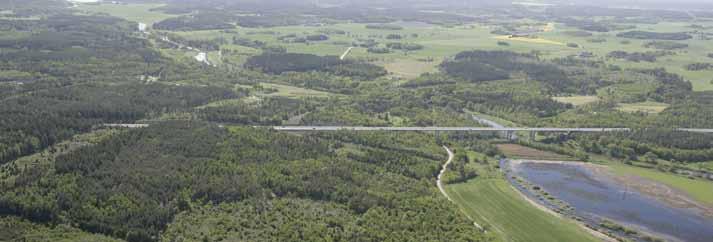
(438, 137)
(533, 135)
(510, 135)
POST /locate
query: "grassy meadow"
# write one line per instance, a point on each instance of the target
(496, 206)
(140, 13)
(577, 100)
(699, 190)
(441, 42)
(644, 107)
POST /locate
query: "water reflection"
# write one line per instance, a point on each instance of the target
(592, 195)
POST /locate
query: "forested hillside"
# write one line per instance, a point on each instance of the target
(133, 184)
(152, 120)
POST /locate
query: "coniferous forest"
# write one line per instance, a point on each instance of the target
(153, 120)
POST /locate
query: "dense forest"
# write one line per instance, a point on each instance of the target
(654, 35)
(277, 63)
(649, 56)
(205, 21)
(177, 167)
(207, 157)
(498, 65)
(33, 122)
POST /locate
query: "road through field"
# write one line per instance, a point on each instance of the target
(443, 170)
(439, 182)
(349, 50)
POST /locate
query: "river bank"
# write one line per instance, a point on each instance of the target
(620, 206)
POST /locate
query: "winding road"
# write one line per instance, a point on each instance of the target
(439, 182)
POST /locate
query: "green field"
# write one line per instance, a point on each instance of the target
(290, 91)
(441, 42)
(496, 206)
(46, 157)
(140, 13)
(644, 107)
(493, 203)
(698, 189)
(703, 166)
(696, 52)
(577, 100)
(17, 229)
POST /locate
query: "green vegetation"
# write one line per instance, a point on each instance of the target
(697, 189)
(203, 171)
(699, 66)
(577, 100)
(197, 159)
(521, 152)
(653, 35)
(277, 63)
(137, 12)
(384, 26)
(496, 206)
(493, 203)
(294, 92)
(665, 45)
(644, 107)
(17, 229)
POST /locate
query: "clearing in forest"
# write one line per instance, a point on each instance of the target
(644, 107)
(577, 100)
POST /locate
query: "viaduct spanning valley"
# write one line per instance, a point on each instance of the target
(473, 129)
(468, 129)
(342, 120)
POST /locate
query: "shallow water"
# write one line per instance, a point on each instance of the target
(591, 195)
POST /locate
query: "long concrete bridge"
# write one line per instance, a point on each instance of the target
(467, 129)
(509, 132)
(472, 129)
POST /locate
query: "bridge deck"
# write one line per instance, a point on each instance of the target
(482, 129)
(470, 129)
(473, 129)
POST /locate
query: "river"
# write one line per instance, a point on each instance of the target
(596, 197)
